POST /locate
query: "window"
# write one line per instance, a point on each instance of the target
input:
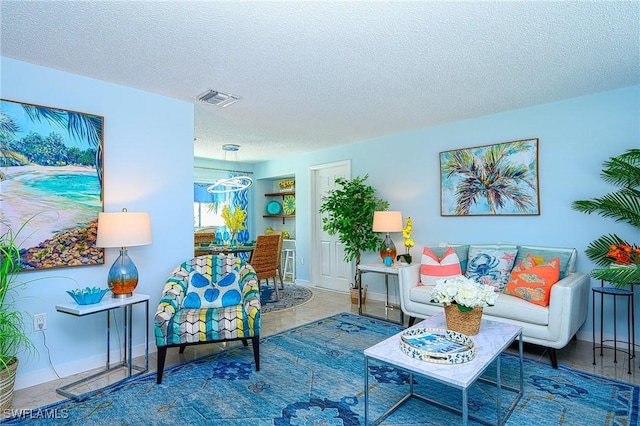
(207, 208)
(207, 215)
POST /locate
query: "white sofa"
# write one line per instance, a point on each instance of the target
(552, 326)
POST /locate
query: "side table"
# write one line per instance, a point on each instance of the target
(380, 268)
(631, 332)
(107, 305)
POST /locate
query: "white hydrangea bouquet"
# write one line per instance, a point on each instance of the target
(464, 292)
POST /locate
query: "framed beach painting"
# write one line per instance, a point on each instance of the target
(51, 183)
(490, 180)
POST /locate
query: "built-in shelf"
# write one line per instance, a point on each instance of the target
(278, 216)
(278, 194)
(284, 216)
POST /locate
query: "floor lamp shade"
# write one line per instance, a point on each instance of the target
(123, 229)
(387, 221)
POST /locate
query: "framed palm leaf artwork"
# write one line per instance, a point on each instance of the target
(51, 184)
(490, 180)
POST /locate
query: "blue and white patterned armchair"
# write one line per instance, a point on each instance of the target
(208, 299)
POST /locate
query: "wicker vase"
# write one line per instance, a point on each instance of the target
(7, 380)
(467, 323)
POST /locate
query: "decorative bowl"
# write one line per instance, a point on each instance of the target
(88, 296)
(274, 208)
(289, 204)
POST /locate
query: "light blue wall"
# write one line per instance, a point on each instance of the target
(575, 137)
(148, 166)
(208, 170)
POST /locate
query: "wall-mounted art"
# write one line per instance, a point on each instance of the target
(489, 180)
(51, 181)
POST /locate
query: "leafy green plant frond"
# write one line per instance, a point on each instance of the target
(622, 205)
(12, 335)
(620, 275)
(597, 250)
(623, 170)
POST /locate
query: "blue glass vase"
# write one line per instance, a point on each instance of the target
(123, 275)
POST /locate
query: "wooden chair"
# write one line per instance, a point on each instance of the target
(200, 238)
(203, 237)
(279, 261)
(265, 258)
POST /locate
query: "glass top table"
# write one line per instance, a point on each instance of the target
(493, 339)
(223, 249)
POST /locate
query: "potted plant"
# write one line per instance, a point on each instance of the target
(619, 258)
(464, 300)
(349, 212)
(12, 335)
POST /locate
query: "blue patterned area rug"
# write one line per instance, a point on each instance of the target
(292, 295)
(313, 375)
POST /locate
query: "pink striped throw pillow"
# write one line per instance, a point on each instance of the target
(432, 268)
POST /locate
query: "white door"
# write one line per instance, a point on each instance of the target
(330, 271)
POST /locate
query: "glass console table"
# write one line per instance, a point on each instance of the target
(107, 305)
(380, 268)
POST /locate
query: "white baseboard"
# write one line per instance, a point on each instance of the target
(67, 370)
(380, 297)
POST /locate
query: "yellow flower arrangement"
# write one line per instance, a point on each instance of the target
(234, 221)
(286, 184)
(408, 242)
(406, 234)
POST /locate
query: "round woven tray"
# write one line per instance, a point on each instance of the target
(437, 345)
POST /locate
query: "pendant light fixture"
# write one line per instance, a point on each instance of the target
(233, 183)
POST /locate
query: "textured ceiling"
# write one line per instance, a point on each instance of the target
(317, 74)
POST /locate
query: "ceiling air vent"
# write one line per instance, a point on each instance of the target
(213, 97)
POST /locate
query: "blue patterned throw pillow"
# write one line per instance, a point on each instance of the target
(202, 293)
(491, 266)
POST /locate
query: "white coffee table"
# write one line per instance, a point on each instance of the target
(493, 339)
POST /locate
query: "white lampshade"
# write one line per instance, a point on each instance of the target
(123, 229)
(387, 221)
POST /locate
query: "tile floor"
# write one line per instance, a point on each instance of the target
(578, 354)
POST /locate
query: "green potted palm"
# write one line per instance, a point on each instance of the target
(620, 259)
(348, 213)
(13, 338)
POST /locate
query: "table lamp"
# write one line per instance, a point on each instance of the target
(123, 229)
(387, 221)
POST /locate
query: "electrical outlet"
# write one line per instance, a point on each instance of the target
(302, 260)
(40, 321)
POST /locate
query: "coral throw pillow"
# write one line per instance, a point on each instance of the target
(432, 268)
(532, 282)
